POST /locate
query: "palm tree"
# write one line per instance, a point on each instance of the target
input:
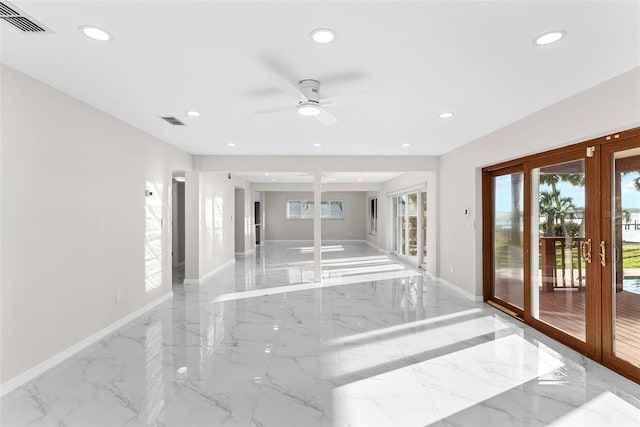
(516, 183)
(547, 208)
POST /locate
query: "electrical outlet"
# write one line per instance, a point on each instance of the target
(118, 297)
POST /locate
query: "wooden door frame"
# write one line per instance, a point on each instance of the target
(488, 197)
(590, 345)
(608, 356)
(598, 315)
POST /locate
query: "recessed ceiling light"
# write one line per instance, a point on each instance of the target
(308, 109)
(179, 179)
(322, 35)
(266, 174)
(317, 144)
(550, 37)
(406, 144)
(446, 115)
(231, 144)
(359, 179)
(95, 33)
(273, 179)
(193, 113)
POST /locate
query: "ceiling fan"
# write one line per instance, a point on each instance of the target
(307, 94)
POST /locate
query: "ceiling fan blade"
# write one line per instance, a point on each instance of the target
(326, 118)
(344, 99)
(274, 110)
(289, 89)
(341, 78)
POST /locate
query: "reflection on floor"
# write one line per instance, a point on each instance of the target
(375, 344)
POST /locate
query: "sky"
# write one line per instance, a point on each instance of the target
(630, 196)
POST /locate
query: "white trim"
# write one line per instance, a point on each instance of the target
(412, 189)
(42, 367)
(459, 290)
(323, 241)
(245, 252)
(209, 274)
(288, 241)
(378, 248)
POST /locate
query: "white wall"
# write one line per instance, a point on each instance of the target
(217, 202)
(352, 227)
(611, 106)
(210, 200)
(75, 221)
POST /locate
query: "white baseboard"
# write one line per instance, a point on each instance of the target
(40, 368)
(311, 241)
(459, 290)
(250, 251)
(209, 274)
(373, 245)
(286, 241)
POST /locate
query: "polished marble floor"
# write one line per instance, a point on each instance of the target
(376, 344)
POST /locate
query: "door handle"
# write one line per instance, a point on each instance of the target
(603, 253)
(586, 250)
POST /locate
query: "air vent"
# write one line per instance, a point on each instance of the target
(23, 22)
(173, 121)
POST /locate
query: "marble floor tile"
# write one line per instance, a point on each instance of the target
(375, 343)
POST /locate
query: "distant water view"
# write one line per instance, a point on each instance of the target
(631, 285)
(632, 235)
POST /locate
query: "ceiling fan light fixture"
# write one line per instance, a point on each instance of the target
(308, 109)
(446, 115)
(322, 35)
(550, 37)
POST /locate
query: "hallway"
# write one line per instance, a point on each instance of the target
(377, 343)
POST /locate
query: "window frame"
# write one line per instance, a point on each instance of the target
(309, 206)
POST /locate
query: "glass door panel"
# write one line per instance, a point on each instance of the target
(395, 224)
(508, 254)
(423, 226)
(412, 226)
(625, 238)
(558, 246)
(402, 214)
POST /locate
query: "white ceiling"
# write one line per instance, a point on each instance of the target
(416, 59)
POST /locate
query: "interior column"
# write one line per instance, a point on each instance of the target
(317, 225)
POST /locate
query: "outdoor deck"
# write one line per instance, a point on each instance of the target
(565, 310)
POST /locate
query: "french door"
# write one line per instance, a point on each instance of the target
(409, 234)
(620, 164)
(563, 246)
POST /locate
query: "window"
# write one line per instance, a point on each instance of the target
(373, 215)
(305, 209)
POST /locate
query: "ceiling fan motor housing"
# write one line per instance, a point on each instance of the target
(310, 88)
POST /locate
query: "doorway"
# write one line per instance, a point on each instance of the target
(178, 228)
(563, 240)
(409, 226)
